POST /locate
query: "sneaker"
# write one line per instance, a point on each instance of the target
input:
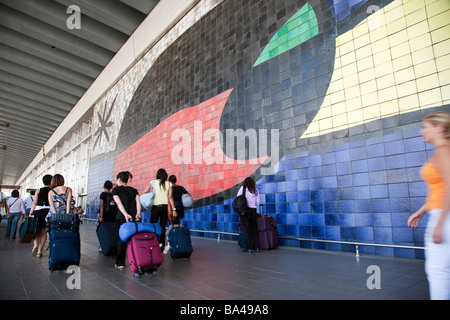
(119, 266)
(34, 251)
(39, 254)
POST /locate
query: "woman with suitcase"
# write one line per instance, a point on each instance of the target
(249, 220)
(129, 209)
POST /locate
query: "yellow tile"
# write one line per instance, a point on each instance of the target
(398, 38)
(441, 48)
(352, 92)
(369, 100)
(360, 30)
(365, 63)
(416, 17)
(338, 108)
(440, 34)
(385, 81)
(362, 41)
(354, 104)
(349, 69)
(325, 112)
(445, 93)
(420, 42)
(443, 63)
(371, 112)
(340, 120)
(345, 37)
(418, 29)
(378, 33)
(406, 89)
(444, 77)
(437, 7)
(366, 75)
(368, 87)
(355, 116)
(440, 20)
(325, 124)
(413, 5)
(422, 55)
(430, 98)
(402, 62)
(348, 58)
(400, 50)
(337, 97)
(396, 26)
(381, 57)
(351, 80)
(424, 69)
(404, 75)
(387, 94)
(426, 83)
(410, 102)
(380, 45)
(336, 85)
(363, 52)
(394, 14)
(383, 69)
(389, 107)
(346, 47)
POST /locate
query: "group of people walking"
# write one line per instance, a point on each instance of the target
(167, 194)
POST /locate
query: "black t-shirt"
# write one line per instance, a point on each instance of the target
(128, 197)
(109, 207)
(177, 192)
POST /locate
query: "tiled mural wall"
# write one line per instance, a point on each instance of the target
(319, 101)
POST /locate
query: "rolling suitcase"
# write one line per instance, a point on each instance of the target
(27, 230)
(179, 240)
(64, 241)
(144, 253)
(267, 233)
(108, 236)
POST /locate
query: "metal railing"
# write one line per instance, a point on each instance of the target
(356, 244)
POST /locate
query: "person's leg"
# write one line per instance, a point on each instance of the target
(121, 249)
(16, 217)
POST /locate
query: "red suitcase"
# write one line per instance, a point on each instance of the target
(267, 233)
(144, 253)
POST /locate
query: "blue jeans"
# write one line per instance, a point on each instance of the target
(12, 223)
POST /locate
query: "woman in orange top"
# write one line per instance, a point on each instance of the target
(436, 173)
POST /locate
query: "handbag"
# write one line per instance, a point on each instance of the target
(240, 204)
(186, 200)
(147, 198)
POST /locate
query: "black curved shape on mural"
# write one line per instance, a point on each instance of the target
(218, 53)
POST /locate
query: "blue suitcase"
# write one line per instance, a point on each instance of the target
(64, 241)
(179, 239)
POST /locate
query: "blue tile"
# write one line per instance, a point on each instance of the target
(343, 168)
(304, 207)
(403, 235)
(394, 147)
(361, 179)
(363, 220)
(317, 219)
(330, 194)
(363, 206)
(375, 150)
(382, 220)
(332, 219)
(316, 207)
(414, 144)
(360, 166)
(361, 192)
(364, 234)
(415, 159)
(382, 235)
(304, 195)
(379, 191)
(380, 205)
(348, 233)
(292, 207)
(376, 164)
(396, 161)
(346, 206)
(333, 233)
(398, 190)
(331, 207)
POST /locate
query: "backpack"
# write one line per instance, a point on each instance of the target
(240, 204)
(110, 204)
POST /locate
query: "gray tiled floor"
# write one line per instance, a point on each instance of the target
(216, 270)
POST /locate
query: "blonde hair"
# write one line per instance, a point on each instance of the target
(440, 118)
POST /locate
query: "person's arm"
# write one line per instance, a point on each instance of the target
(138, 207)
(69, 199)
(148, 188)
(171, 202)
(414, 219)
(442, 160)
(102, 204)
(122, 208)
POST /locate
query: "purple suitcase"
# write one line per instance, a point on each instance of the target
(144, 253)
(267, 233)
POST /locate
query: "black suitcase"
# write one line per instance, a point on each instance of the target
(108, 236)
(179, 239)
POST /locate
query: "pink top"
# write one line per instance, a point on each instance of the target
(252, 199)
